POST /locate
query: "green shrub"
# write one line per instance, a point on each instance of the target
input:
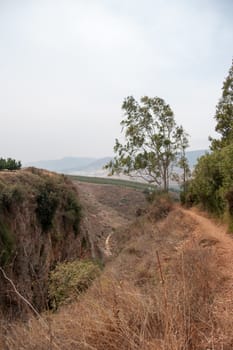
(72, 213)
(70, 279)
(6, 244)
(47, 203)
(11, 195)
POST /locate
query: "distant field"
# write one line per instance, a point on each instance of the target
(110, 181)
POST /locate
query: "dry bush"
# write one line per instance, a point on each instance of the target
(161, 207)
(69, 279)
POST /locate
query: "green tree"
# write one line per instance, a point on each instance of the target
(224, 114)
(9, 164)
(212, 182)
(206, 186)
(183, 177)
(2, 163)
(153, 141)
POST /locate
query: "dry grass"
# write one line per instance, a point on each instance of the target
(176, 314)
(139, 303)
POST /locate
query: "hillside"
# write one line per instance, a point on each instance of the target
(167, 281)
(39, 227)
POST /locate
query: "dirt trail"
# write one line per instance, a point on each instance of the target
(211, 234)
(207, 230)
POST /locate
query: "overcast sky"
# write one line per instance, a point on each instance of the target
(66, 66)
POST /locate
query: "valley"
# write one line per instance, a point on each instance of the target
(107, 209)
(166, 281)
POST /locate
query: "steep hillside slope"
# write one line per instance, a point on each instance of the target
(39, 227)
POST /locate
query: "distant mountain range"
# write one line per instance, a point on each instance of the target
(92, 166)
(194, 155)
(70, 165)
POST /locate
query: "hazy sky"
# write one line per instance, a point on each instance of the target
(66, 66)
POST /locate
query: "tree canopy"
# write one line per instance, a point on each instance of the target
(224, 114)
(153, 141)
(212, 182)
(9, 164)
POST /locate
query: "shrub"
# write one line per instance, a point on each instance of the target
(72, 214)
(6, 244)
(161, 207)
(70, 279)
(10, 195)
(47, 203)
(152, 193)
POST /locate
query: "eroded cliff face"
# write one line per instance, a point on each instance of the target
(39, 227)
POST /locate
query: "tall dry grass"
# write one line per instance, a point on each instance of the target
(176, 312)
